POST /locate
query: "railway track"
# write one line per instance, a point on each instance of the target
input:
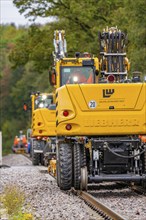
(99, 209)
(121, 198)
(102, 210)
(139, 189)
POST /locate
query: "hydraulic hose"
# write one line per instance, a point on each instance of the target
(119, 155)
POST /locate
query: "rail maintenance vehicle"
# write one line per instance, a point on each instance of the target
(101, 125)
(43, 134)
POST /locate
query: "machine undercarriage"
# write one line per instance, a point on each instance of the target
(100, 159)
(119, 158)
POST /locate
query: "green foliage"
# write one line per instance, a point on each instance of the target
(10, 129)
(26, 51)
(13, 200)
(22, 216)
(35, 46)
(83, 19)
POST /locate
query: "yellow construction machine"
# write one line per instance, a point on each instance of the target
(101, 125)
(43, 128)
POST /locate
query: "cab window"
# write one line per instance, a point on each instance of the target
(80, 74)
(43, 101)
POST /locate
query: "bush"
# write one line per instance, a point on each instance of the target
(13, 201)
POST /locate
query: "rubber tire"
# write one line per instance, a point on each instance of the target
(35, 156)
(144, 181)
(42, 159)
(57, 166)
(77, 166)
(83, 155)
(35, 159)
(65, 165)
(144, 162)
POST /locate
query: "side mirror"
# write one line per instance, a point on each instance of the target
(52, 77)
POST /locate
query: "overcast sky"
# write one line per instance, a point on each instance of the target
(9, 14)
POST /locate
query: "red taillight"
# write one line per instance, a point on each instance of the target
(68, 127)
(65, 113)
(111, 78)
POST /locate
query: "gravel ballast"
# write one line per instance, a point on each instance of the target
(47, 202)
(43, 197)
(128, 203)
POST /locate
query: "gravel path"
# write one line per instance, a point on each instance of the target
(43, 198)
(124, 201)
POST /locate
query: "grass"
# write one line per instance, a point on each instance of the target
(13, 200)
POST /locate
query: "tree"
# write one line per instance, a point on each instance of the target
(29, 49)
(83, 19)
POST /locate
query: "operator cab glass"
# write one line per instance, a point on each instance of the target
(43, 101)
(77, 75)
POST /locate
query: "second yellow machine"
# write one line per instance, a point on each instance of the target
(43, 136)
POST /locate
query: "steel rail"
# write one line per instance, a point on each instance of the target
(138, 189)
(99, 207)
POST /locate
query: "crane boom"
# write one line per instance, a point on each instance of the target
(60, 44)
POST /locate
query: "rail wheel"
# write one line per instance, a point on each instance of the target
(77, 166)
(84, 178)
(65, 165)
(35, 158)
